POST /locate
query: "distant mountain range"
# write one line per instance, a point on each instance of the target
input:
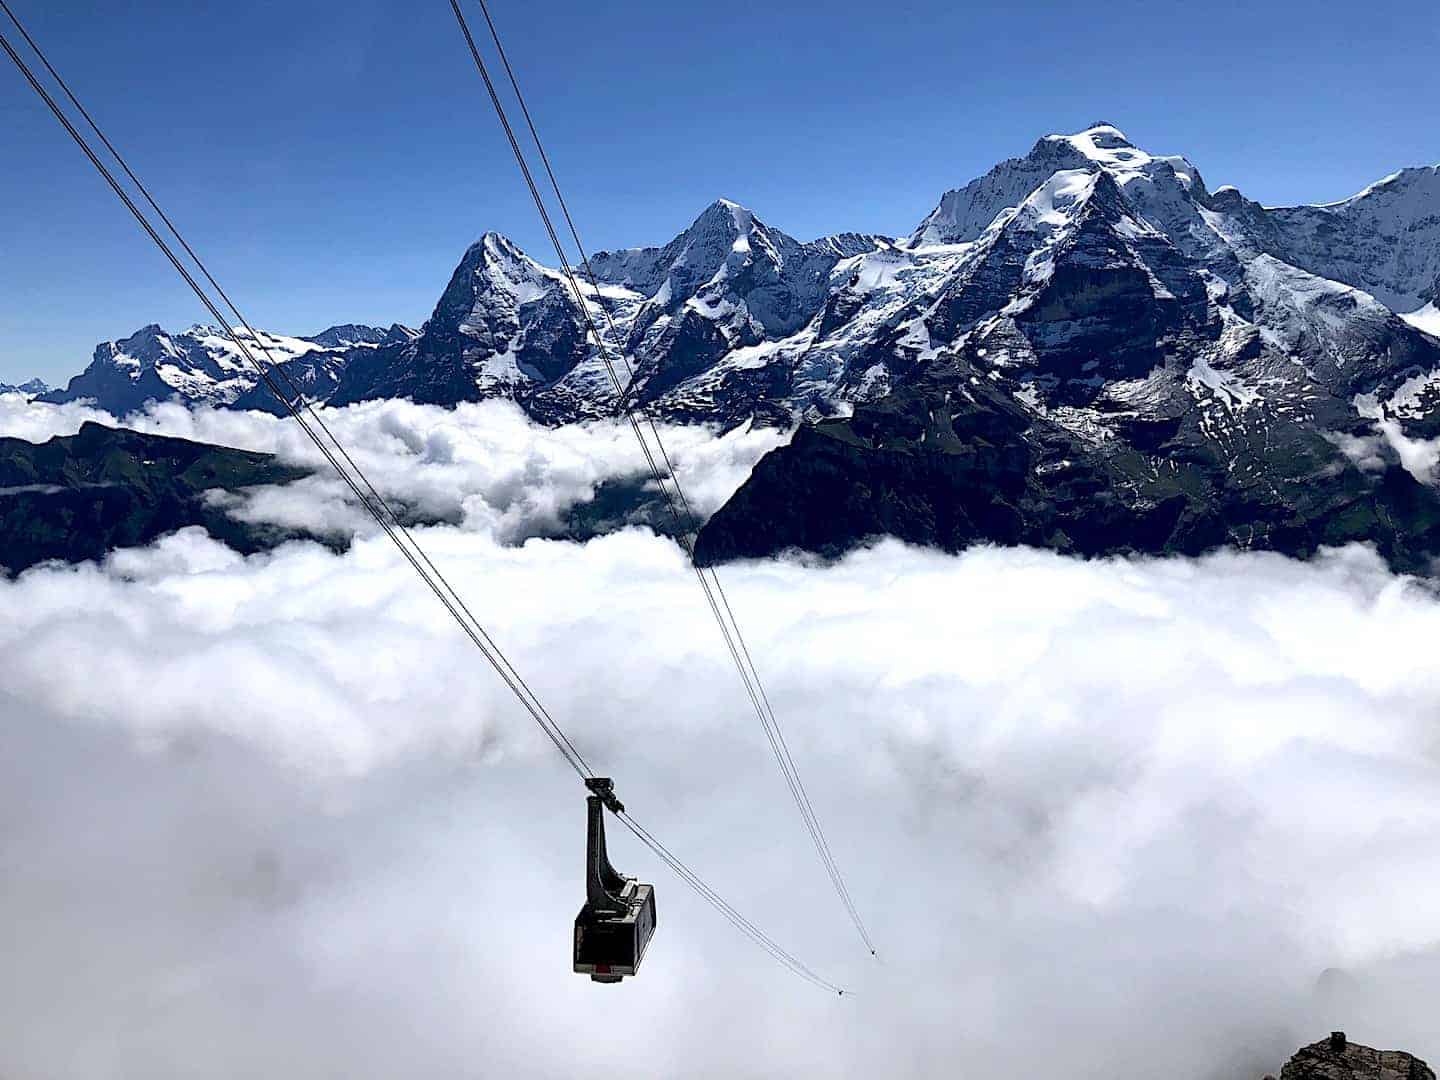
(202, 366)
(1084, 348)
(33, 388)
(733, 318)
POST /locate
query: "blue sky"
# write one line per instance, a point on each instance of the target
(333, 160)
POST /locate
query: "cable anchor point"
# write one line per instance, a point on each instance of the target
(604, 787)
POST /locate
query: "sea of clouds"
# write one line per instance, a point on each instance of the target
(273, 816)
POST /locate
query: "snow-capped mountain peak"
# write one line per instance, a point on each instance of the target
(686, 262)
(496, 246)
(1085, 350)
(1107, 146)
(499, 266)
(349, 335)
(1102, 142)
(30, 388)
(742, 218)
(964, 214)
(399, 334)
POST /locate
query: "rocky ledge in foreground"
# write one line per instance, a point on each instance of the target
(77, 497)
(1336, 1058)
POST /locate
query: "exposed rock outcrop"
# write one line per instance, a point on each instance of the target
(1337, 1058)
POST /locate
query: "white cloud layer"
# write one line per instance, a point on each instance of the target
(272, 816)
(485, 466)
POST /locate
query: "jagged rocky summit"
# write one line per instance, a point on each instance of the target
(699, 323)
(1337, 1058)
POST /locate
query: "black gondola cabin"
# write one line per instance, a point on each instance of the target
(616, 923)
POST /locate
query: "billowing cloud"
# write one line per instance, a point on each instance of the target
(485, 467)
(273, 816)
(22, 418)
(1418, 456)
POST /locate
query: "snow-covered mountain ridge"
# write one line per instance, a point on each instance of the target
(1098, 354)
(202, 366)
(30, 388)
(733, 319)
(1085, 348)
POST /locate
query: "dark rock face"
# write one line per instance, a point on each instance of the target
(955, 459)
(1336, 1058)
(80, 496)
(617, 504)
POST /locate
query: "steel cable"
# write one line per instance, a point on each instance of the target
(686, 525)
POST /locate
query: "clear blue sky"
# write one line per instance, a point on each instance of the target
(332, 160)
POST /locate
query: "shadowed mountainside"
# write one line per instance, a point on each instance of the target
(77, 497)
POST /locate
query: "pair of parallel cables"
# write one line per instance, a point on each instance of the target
(686, 522)
(248, 343)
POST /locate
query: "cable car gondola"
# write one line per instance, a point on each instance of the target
(616, 923)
